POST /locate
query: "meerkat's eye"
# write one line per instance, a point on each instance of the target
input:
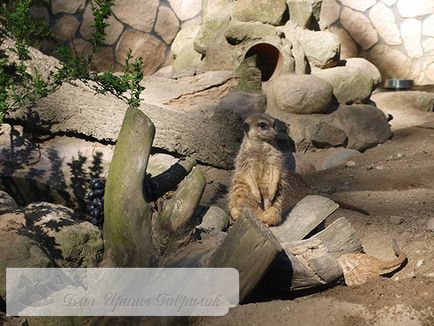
(263, 125)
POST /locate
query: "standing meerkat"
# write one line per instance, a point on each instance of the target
(262, 180)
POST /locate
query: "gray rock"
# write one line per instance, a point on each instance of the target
(322, 49)
(350, 164)
(238, 32)
(302, 94)
(186, 61)
(367, 67)
(338, 157)
(264, 11)
(350, 84)
(304, 13)
(215, 219)
(7, 203)
(323, 135)
(365, 125)
(69, 243)
(244, 103)
(396, 220)
(19, 250)
(430, 224)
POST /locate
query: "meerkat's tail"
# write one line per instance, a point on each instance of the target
(391, 265)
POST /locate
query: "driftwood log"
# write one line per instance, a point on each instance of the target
(159, 229)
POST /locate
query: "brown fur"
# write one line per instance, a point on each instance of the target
(262, 180)
(358, 268)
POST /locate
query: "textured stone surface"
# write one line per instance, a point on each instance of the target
(392, 63)
(41, 14)
(112, 31)
(428, 26)
(104, 59)
(350, 84)
(410, 32)
(167, 25)
(349, 49)
(367, 67)
(139, 14)
(383, 20)
(186, 9)
(71, 243)
(65, 28)
(142, 45)
(428, 44)
(301, 94)
(415, 8)
(244, 103)
(360, 5)
(17, 250)
(389, 2)
(330, 11)
(338, 157)
(67, 6)
(265, 11)
(359, 27)
(323, 135)
(7, 203)
(80, 47)
(302, 12)
(186, 60)
(322, 49)
(365, 125)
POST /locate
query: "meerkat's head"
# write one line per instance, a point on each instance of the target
(260, 126)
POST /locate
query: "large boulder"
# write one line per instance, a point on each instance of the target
(367, 67)
(186, 61)
(7, 203)
(302, 94)
(238, 32)
(350, 84)
(17, 249)
(244, 103)
(304, 13)
(265, 11)
(365, 125)
(322, 49)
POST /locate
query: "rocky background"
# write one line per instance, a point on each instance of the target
(148, 27)
(396, 35)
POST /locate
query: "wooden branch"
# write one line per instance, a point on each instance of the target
(169, 179)
(127, 225)
(250, 248)
(304, 217)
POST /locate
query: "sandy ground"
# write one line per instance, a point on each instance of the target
(395, 183)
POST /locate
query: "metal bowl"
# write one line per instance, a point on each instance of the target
(398, 83)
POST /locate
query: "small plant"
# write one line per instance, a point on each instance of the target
(20, 86)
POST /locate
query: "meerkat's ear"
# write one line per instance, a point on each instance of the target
(246, 127)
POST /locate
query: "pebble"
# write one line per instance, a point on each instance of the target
(421, 221)
(396, 220)
(350, 164)
(430, 224)
(430, 275)
(419, 263)
(379, 167)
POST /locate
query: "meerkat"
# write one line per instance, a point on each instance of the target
(358, 268)
(262, 180)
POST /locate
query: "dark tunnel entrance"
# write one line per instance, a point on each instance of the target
(269, 59)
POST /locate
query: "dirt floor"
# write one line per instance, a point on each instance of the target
(395, 183)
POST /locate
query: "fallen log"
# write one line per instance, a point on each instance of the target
(249, 247)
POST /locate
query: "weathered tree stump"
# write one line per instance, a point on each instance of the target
(250, 248)
(127, 225)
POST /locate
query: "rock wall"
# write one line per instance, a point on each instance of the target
(396, 35)
(148, 27)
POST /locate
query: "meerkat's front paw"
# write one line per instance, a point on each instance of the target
(271, 216)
